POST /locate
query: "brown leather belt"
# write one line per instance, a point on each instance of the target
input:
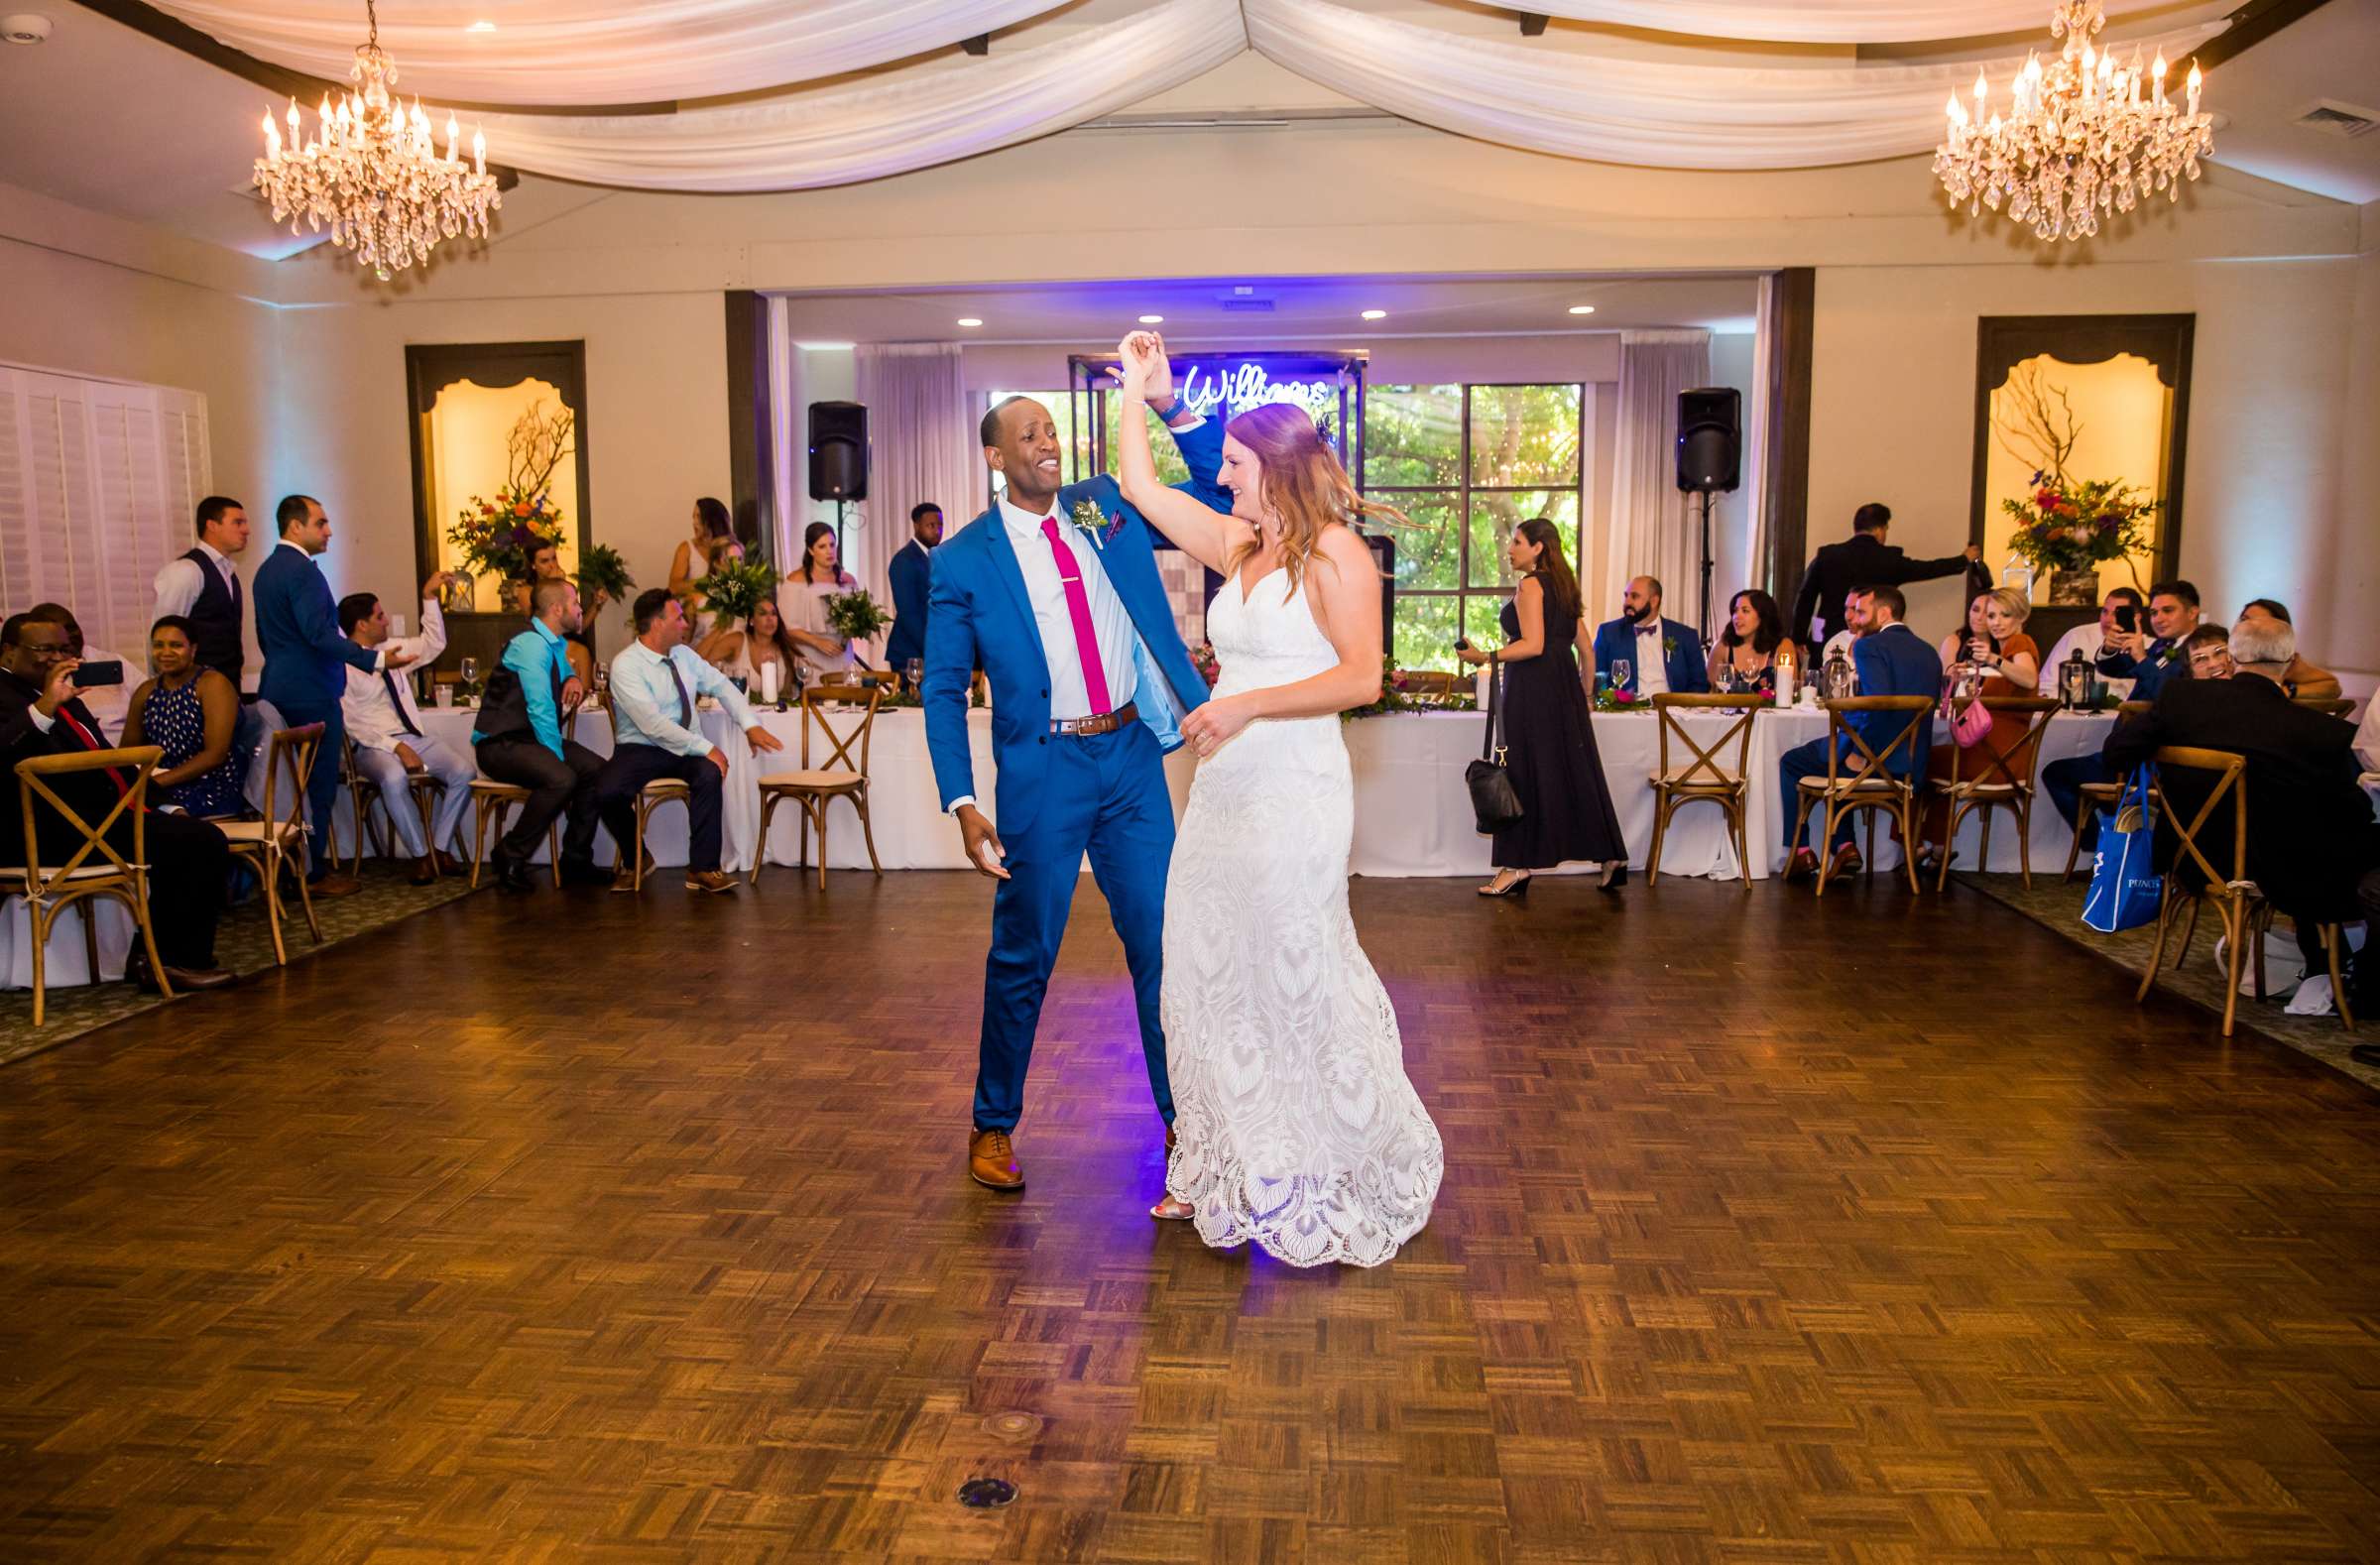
(1105, 723)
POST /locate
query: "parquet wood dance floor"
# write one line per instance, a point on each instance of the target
(579, 1228)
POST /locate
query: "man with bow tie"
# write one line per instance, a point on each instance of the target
(1662, 656)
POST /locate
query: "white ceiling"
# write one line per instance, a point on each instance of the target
(110, 120)
(1302, 308)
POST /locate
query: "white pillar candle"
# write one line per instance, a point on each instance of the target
(769, 672)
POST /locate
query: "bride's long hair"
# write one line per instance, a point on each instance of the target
(1302, 483)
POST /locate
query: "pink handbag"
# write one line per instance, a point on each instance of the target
(1967, 724)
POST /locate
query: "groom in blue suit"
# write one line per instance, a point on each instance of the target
(1090, 681)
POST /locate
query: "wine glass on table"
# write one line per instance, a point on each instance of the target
(1727, 676)
(468, 692)
(914, 672)
(1620, 669)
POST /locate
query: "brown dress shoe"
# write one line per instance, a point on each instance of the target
(992, 1161)
(713, 881)
(623, 878)
(425, 872)
(448, 863)
(334, 884)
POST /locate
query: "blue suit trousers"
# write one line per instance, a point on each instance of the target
(322, 789)
(1104, 795)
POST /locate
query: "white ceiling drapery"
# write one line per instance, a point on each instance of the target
(598, 51)
(867, 129)
(1826, 21)
(1653, 113)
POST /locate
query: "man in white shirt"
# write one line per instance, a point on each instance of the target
(204, 588)
(2089, 638)
(390, 746)
(1856, 624)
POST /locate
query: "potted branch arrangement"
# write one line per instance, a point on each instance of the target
(2068, 527)
(497, 536)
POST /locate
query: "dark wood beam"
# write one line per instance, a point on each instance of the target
(1785, 407)
(1532, 23)
(978, 46)
(2252, 24)
(751, 449)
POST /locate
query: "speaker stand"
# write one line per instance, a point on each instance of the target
(1708, 636)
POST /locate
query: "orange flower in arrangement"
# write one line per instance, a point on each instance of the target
(520, 509)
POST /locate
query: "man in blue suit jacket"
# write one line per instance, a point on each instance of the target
(307, 661)
(1090, 680)
(1892, 659)
(911, 574)
(1643, 640)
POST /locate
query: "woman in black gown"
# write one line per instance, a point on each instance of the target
(1565, 808)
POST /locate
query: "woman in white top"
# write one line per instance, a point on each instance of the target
(714, 532)
(765, 638)
(820, 576)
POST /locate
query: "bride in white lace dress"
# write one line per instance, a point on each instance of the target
(1295, 1124)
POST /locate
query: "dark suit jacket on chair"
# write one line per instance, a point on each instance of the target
(1681, 654)
(298, 628)
(2311, 834)
(1858, 561)
(911, 574)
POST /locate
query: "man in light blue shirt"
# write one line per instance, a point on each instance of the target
(655, 681)
(519, 739)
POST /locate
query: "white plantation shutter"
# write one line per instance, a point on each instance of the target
(99, 481)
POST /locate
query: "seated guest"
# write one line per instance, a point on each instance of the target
(2312, 848)
(519, 740)
(820, 576)
(546, 564)
(655, 681)
(1893, 659)
(1748, 649)
(911, 573)
(2208, 651)
(1864, 556)
(1661, 655)
(193, 715)
(189, 860)
(2304, 681)
(384, 722)
(2089, 636)
(1856, 624)
(2149, 658)
(765, 639)
(1998, 649)
(106, 702)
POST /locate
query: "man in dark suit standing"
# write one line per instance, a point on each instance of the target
(1663, 655)
(1892, 659)
(911, 574)
(307, 661)
(2313, 849)
(40, 715)
(1860, 561)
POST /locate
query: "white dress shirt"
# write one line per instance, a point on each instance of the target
(371, 722)
(180, 584)
(2089, 638)
(2367, 735)
(1069, 698)
(1653, 665)
(110, 703)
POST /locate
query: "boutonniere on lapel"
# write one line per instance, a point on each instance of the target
(1096, 524)
(1669, 646)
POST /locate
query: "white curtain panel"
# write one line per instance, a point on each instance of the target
(921, 428)
(886, 125)
(1827, 21)
(1649, 533)
(1651, 113)
(596, 52)
(1752, 499)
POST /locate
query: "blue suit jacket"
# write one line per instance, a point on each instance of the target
(911, 574)
(1682, 656)
(982, 615)
(2163, 661)
(297, 629)
(1895, 660)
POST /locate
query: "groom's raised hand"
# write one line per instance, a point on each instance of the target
(982, 846)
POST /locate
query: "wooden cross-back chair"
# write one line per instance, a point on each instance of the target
(1997, 778)
(838, 774)
(363, 793)
(1711, 777)
(279, 839)
(1874, 787)
(492, 802)
(95, 869)
(2197, 879)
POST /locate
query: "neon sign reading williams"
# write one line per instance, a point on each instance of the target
(1245, 385)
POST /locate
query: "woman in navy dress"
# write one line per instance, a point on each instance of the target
(190, 713)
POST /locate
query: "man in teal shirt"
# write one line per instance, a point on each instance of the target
(519, 738)
(655, 681)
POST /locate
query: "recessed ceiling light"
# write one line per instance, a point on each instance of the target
(969, 320)
(1153, 320)
(1582, 310)
(482, 26)
(1376, 314)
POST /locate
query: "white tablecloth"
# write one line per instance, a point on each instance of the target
(64, 962)
(1412, 809)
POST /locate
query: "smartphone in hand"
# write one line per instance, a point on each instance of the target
(85, 675)
(1462, 644)
(2127, 618)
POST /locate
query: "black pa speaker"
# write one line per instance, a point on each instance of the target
(838, 450)
(1710, 439)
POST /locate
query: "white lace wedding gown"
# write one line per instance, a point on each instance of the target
(1295, 1124)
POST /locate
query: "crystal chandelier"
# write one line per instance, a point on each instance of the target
(2080, 138)
(373, 172)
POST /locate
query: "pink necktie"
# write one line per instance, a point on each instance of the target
(1078, 609)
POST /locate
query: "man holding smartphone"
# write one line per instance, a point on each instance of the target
(2149, 658)
(101, 680)
(2119, 613)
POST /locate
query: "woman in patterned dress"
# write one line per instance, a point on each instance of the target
(190, 713)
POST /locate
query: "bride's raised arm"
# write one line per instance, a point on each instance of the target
(1204, 533)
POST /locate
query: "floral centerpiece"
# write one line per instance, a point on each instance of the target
(1401, 693)
(1613, 698)
(499, 535)
(854, 615)
(735, 587)
(2068, 527)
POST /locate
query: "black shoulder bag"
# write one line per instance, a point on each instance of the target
(1494, 804)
